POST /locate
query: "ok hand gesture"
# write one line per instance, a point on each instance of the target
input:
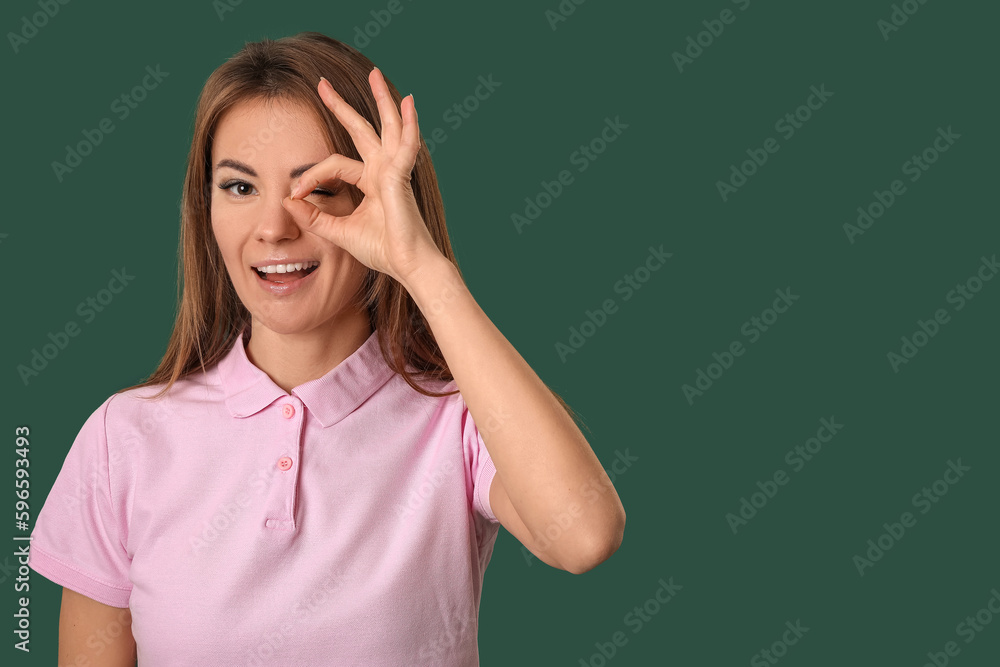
(386, 231)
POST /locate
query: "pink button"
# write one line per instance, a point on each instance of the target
(287, 411)
(284, 463)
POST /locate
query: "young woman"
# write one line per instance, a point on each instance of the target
(316, 472)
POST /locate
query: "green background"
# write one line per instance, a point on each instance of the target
(655, 185)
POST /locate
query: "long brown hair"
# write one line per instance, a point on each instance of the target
(210, 316)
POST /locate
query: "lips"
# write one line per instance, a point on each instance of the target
(281, 272)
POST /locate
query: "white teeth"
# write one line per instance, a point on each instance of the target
(287, 268)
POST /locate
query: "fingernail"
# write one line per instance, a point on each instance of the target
(330, 86)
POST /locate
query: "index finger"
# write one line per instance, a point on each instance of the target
(365, 138)
(335, 167)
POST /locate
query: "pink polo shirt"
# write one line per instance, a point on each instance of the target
(345, 523)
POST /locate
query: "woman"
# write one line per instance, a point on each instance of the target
(337, 428)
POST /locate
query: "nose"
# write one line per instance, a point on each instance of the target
(274, 222)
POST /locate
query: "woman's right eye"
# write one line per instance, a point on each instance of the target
(236, 184)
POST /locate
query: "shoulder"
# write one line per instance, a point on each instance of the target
(145, 407)
(444, 413)
(398, 385)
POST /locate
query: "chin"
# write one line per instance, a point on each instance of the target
(285, 325)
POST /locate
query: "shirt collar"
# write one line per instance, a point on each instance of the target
(248, 389)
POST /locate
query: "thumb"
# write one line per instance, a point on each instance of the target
(309, 218)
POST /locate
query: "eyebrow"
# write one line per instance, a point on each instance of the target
(247, 169)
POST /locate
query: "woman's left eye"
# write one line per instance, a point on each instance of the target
(236, 184)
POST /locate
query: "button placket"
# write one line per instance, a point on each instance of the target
(286, 482)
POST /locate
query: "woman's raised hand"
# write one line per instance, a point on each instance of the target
(386, 231)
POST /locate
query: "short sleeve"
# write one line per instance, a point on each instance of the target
(480, 466)
(79, 536)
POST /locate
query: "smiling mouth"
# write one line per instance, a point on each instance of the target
(286, 273)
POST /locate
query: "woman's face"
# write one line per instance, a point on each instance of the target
(259, 151)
